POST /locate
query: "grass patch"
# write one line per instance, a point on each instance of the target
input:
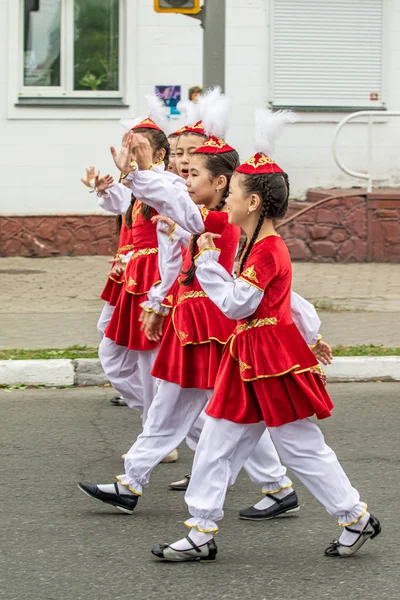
(86, 352)
(71, 352)
(365, 350)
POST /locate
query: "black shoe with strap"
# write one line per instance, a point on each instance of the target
(283, 506)
(371, 530)
(118, 401)
(206, 551)
(124, 502)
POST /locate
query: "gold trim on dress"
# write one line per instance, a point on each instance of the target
(205, 250)
(192, 294)
(144, 252)
(115, 280)
(169, 299)
(131, 281)
(250, 283)
(256, 323)
(250, 273)
(204, 211)
(274, 375)
(178, 333)
(243, 366)
(128, 247)
(182, 335)
(141, 293)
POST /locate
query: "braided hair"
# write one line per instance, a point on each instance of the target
(216, 164)
(273, 189)
(128, 214)
(158, 141)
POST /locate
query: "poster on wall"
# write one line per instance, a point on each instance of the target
(170, 95)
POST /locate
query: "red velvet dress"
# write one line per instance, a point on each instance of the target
(194, 339)
(267, 372)
(141, 274)
(114, 283)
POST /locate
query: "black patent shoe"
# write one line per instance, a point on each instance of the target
(118, 401)
(371, 530)
(124, 502)
(206, 551)
(181, 485)
(283, 506)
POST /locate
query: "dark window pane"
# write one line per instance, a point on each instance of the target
(96, 45)
(42, 20)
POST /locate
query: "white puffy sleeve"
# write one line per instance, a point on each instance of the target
(170, 265)
(116, 199)
(306, 318)
(167, 194)
(236, 298)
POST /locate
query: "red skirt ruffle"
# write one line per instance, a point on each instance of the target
(191, 365)
(142, 272)
(124, 326)
(275, 400)
(270, 350)
(197, 320)
(112, 290)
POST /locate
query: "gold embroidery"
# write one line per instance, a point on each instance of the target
(147, 121)
(169, 299)
(250, 273)
(182, 335)
(204, 211)
(144, 252)
(131, 281)
(263, 160)
(123, 248)
(256, 323)
(136, 210)
(243, 366)
(215, 142)
(192, 294)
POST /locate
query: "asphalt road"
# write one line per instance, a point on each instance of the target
(57, 544)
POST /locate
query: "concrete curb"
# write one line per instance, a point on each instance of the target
(88, 371)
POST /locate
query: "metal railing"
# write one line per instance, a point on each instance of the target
(371, 114)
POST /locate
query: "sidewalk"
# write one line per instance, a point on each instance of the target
(54, 302)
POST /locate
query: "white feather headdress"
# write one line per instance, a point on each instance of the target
(157, 112)
(214, 109)
(269, 127)
(189, 111)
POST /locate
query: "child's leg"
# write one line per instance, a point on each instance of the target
(302, 447)
(121, 368)
(104, 318)
(222, 450)
(149, 383)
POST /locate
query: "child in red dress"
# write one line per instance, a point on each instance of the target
(268, 376)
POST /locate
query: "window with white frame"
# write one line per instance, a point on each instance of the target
(71, 48)
(327, 53)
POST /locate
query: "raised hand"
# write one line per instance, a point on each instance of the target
(90, 175)
(122, 159)
(141, 151)
(323, 352)
(160, 219)
(206, 240)
(103, 183)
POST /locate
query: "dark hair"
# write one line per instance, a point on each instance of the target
(273, 190)
(186, 133)
(128, 214)
(173, 135)
(119, 223)
(159, 141)
(216, 164)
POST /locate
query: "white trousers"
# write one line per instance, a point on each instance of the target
(171, 417)
(129, 371)
(105, 318)
(224, 447)
(263, 465)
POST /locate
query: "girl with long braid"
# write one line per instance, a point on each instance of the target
(268, 376)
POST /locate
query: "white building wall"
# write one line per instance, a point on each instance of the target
(43, 151)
